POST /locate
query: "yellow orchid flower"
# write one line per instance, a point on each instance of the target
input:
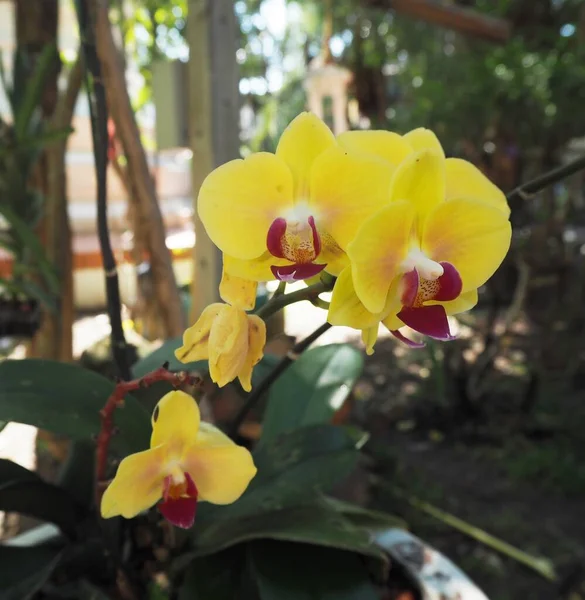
(231, 340)
(188, 461)
(443, 233)
(291, 214)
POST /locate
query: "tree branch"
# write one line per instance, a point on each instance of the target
(526, 190)
(282, 366)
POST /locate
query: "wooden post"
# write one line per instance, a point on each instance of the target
(214, 123)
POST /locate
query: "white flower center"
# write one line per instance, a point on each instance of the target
(177, 474)
(427, 268)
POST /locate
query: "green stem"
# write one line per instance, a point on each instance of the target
(280, 290)
(277, 303)
(542, 566)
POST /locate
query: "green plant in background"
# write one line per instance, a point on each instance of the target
(21, 144)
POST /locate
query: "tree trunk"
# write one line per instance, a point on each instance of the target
(214, 126)
(58, 331)
(36, 28)
(149, 224)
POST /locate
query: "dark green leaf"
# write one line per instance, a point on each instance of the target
(312, 389)
(214, 577)
(78, 472)
(287, 571)
(166, 353)
(315, 523)
(87, 591)
(295, 466)
(11, 471)
(46, 138)
(32, 243)
(23, 571)
(33, 290)
(66, 399)
(43, 501)
(44, 66)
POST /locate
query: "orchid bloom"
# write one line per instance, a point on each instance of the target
(188, 461)
(291, 214)
(231, 340)
(442, 234)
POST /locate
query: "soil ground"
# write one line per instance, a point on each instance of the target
(510, 475)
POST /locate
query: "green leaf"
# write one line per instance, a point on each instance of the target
(67, 399)
(295, 466)
(24, 571)
(370, 520)
(214, 577)
(315, 522)
(312, 389)
(45, 138)
(33, 290)
(43, 501)
(166, 353)
(287, 571)
(44, 65)
(78, 472)
(32, 243)
(11, 471)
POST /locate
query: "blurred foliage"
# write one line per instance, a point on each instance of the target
(22, 141)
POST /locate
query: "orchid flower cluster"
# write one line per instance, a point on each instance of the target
(407, 235)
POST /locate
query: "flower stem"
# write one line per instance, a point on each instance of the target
(541, 565)
(99, 127)
(265, 384)
(280, 290)
(278, 302)
(530, 188)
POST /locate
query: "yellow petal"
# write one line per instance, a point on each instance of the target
(381, 244)
(238, 291)
(257, 269)
(385, 144)
(346, 189)
(471, 235)
(331, 254)
(137, 486)
(369, 338)
(220, 469)
(464, 303)
(196, 337)
(256, 342)
(175, 421)
(424, 139)
(392, 322)
(465, 180)
(301, 143)
(239, 201)
(346, 309)
(228, 345)
(420, 179)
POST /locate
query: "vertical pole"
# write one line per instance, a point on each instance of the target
(214, 123)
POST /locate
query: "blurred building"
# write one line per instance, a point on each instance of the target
(170, 168)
